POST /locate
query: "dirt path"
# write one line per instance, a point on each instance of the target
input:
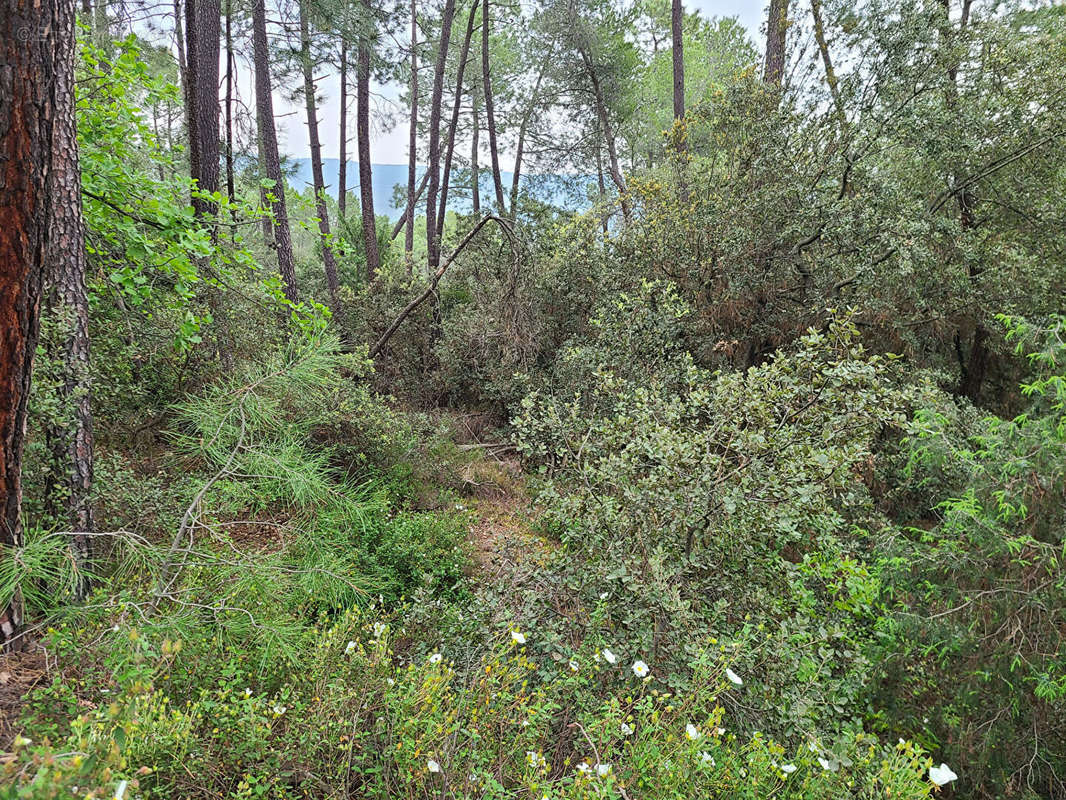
(503, 537)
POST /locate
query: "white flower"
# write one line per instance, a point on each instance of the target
(379, 630)
(733, 677)
(827, 765)
(435, 658)
(627, 730)
(609, 657)
(23, 741)
(707, 758)
(518, 638)
(692, 733)
(349, 648)
(432, 766)
(719, 731)
(247, 692)
(603, 770)
(390, 681)
(640, 669)
(535, 759)
(788, 769)
(942, 775)
(574, 666)
(583, 767)
(603, 595)
(279, 709)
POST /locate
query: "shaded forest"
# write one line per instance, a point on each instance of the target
(747, 479)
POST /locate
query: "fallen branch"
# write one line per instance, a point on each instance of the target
(432, 287)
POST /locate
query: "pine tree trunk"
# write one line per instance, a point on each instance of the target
(827, 61)
(29, 75)
(183, 63)
(342, 168)
(432, 242)
(325, 236)
(203, 29)
(677, 16)
(230, 66)
(607, 130)
(475, 177)
(490, 118)
(67, 305)
(520, 148)
(366, 175)
(776, 27)
(271, 167)
(101, 31)
(412, 139)
(454, 125)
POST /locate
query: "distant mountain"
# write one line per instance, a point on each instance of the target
(387, 176)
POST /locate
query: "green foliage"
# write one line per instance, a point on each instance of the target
(708, 502)
(980, 586)
(356, 716)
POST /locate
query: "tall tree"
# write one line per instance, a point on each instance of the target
(677, 37)
(433, 168)
(67, 305)
(490, 117)
(449, 150)
(366, 175)
(475, 177)
(522, 129)
(342, 168)
(203, 32)
(412, 138)
(319, 184)
(230, 69)
(776, 29)
(268, 141)
(31, 61)
(827, 60)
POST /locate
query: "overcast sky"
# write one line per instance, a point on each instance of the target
(390, 146)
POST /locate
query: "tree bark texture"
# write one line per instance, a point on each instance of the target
(268, 137)
(318, 182)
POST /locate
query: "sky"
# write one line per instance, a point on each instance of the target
(389, 146)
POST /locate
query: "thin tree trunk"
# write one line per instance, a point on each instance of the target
(325, 236)
(101, 31)
(677, 16)
(520, 148)
(264, 105)
(827, 61)
(67, 303)
(366, 176)
(608, 132)
(599, 178)
(475, 177)
(183, 63)
(490, 118)
(432, 242)
(342, 168)
(30, 71)
(974, 370)
(454, 125)
(405, 217)
(412, 139)
(776, 27)
(230, 186)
